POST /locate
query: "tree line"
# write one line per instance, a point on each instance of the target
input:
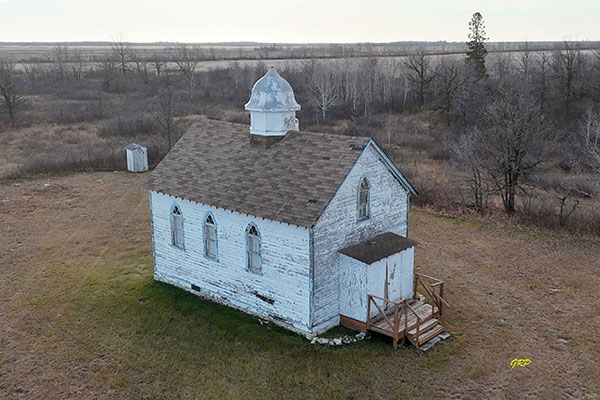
(505, 116)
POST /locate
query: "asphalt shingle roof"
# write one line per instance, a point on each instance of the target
(378, 248)
(292, 181)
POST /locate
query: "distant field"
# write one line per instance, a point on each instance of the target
(220, 56)
(214, 56)
(83, 318)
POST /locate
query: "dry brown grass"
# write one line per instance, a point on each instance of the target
(76, 261)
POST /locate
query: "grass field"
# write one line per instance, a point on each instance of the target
(82, 317)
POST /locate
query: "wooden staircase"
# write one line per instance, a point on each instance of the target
(424, 332)
(409, 319)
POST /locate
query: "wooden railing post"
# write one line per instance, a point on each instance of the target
(368, 311)
(442, 296)
(395, 325)
(405, 317)
(405, 309)
(414, 296)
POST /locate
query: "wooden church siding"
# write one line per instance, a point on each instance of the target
(338, 227)
(353, 281)
(281, 291)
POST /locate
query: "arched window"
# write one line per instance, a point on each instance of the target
(210, 237)
(364, 200)
(176, 227)
(253, 248)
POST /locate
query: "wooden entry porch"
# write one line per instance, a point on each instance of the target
(410, 319)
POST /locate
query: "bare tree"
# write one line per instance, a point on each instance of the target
(351, 90)
(542, 72)
(502, 66)
(236, 74)
(163, 113)
(467, 154)
(590, 139)
(389, 74)
(512, 142)
(367, 79)
(33, 73)
(324, 89)
(158, 61)
(141, 65)
(449, 77)
(421, 74)
(78, 65)
(60, 57)
(566, 194)
(567, 66)
(187, 60)
(108, 68)
(11, 97)
(524, 62)
(121, 51)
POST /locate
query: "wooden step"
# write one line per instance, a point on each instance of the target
(424, 327)
(430, 334)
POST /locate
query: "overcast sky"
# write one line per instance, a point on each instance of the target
(295, 21)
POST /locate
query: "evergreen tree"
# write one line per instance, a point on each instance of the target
(477, 51)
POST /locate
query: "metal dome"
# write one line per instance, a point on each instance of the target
(272, 93)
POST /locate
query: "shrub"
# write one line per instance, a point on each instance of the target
(128, 126)
(86, 158)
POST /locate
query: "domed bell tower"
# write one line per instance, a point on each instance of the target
(272, 106)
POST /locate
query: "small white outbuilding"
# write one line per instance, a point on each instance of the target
(382, 266)
(137, 158)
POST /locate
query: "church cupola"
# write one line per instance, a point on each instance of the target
(272, 106)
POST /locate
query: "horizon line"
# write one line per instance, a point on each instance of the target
(255, 43)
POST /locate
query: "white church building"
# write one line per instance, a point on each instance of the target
(303, 229)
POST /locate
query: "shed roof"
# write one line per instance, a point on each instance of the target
(134, 146)
(378, 248)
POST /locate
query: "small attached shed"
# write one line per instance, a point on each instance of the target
(382, 266)
(137, 158)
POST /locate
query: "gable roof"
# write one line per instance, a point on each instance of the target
(378, 248)
(292, 181)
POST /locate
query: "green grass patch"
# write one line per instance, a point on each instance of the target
(152, 340)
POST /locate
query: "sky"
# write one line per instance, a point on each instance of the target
(299, 21)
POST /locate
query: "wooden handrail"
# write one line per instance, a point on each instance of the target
(418, 323)
(438, 281)
(387, 300)
(441, 299)
(436, 297)
(430, 292)
(371, 298)
(426, 287)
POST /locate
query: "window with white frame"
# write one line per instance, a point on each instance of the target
(364, 200)
(177, 227)
(253, 249)
(210, 237)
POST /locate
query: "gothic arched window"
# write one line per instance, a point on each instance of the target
(364, 200)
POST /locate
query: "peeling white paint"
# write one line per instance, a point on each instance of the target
(338, 227)
(284, 277)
